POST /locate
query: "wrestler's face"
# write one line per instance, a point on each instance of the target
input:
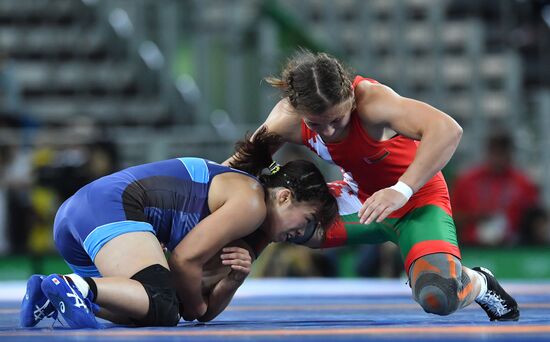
(287, 219)
(332, 124)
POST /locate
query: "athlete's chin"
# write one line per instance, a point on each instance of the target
(333, 137)
(279, 238)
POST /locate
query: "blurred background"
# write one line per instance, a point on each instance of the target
(88, 87)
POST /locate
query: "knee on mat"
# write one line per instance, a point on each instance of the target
(436, 294)
(163, 300)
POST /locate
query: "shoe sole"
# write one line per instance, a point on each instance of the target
(32, 284)
(515, 317)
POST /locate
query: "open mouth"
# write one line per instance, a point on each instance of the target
(284, 237)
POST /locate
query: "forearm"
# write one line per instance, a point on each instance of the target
(434, 151)
(188, 286)
(219, 298)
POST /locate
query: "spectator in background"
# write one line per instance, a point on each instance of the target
(380, 261)
(490, 200)
(535, 228)
(60, 172)
(15, 186)
(288, 260)
(10, 93)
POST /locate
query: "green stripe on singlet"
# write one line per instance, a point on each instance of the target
(423, 224)
(429, 222)
(373, 233)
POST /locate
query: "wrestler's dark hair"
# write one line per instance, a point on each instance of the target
(301, 177)
(313, 82)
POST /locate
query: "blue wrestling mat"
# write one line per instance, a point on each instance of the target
(313, 310)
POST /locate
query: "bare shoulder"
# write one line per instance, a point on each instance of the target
(374, 102)
(241, 190)
(285, 121)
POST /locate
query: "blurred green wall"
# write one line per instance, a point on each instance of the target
(506, 263)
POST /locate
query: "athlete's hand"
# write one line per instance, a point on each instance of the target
(240, 261)
(380, 205)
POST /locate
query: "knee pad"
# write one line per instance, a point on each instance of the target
(436, 294)
(163, 300)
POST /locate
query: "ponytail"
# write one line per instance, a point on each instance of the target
(301, 177)
(254, 155)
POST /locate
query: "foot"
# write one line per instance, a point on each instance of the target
(77, 310)
(498, 304)
(35, 306)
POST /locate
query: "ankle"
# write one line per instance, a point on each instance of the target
(93, 287)
(85, 285)
(482, 281)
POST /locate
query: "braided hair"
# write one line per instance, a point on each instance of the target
(313, 82)
(301, 177)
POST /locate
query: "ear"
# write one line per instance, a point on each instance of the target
(284, 196)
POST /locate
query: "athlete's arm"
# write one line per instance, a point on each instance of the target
(285, 122)
(437, 132)
(211, 235)
(240, 260)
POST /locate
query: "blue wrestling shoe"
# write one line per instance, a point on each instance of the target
(77, 310)
(35, 306)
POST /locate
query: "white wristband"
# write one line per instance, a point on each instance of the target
(403, 188)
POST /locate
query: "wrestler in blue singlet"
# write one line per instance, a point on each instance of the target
(167, 198)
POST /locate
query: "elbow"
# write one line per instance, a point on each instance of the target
(210, 314)
(200, 313)
(205, 319)
(455, 133)
(191, 312)
(180, 261)
(458, 132)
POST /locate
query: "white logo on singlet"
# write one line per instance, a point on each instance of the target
(320, 148)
